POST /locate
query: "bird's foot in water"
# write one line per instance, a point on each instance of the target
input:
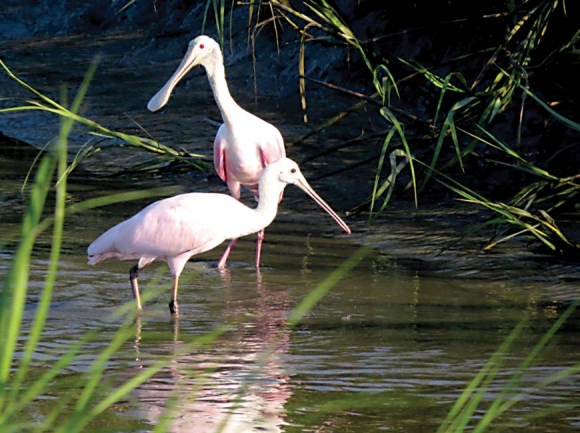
(174, 308)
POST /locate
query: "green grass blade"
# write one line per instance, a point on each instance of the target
(48, 105)
(318, 293)
(504, 402)
(58, 222)
(24, 397)
(375, 194)
(443, 83)
(464, 408)
(388, 114)
(15, 284)
(390, 181)
(569, 123)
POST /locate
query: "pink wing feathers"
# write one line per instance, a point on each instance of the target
(234, 166)
(273, 149)
(219, 153)
(170, 227)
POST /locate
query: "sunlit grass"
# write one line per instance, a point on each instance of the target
(45, 104)
(465, 414)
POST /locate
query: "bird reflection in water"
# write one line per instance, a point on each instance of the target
(238, 383)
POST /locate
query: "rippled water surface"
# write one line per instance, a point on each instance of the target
(389, 348)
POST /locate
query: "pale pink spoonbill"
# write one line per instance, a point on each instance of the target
(244, 143)
(176, 228)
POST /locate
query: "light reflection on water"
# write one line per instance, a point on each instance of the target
(242, 381)
(383, 333)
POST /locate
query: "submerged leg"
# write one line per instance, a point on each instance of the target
(173, 306)
(133, 275)
(224, 259)
(259, 241)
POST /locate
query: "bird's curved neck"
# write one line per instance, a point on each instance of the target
(216, 75)
(268, 202)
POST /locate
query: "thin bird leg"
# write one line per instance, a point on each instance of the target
(173, 306)
(133, 275)
(259, 241)
(223, 260)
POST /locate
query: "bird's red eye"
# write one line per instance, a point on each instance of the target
(292, 170)
(202, 46)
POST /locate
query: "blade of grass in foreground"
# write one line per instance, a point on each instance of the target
(508, 395)
(463, 412)
(318, 293)
(15, 284)
(60, 152)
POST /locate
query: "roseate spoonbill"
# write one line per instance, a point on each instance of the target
(176, 228)
(244, 143)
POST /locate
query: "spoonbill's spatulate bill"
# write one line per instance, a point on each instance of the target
(244, 143)
(176, 228)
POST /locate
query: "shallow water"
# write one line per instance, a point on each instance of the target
(390, 347)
